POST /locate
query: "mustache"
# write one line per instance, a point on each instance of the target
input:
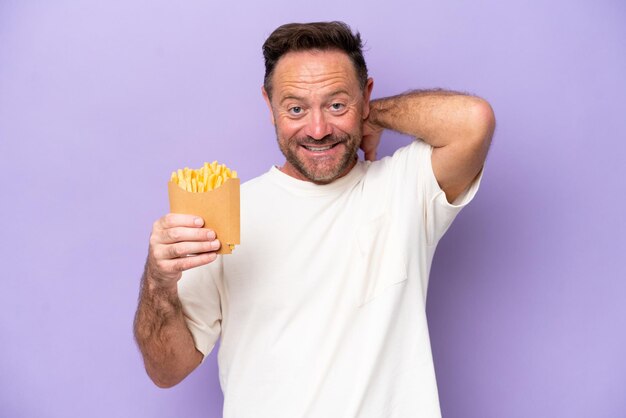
(327, 140)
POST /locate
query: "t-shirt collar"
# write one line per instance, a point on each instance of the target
(307, 188)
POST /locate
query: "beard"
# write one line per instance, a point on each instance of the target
(321, 170)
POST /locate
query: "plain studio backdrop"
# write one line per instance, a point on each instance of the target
(100, 101)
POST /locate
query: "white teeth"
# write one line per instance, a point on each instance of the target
(318, 148)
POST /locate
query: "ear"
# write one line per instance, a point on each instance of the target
(269, 105)
(367, 93)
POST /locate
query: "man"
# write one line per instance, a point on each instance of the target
(321, 310)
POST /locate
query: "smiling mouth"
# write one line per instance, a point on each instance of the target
(319, 149)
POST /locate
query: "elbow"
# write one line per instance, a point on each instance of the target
(163, 377)
(166, 374)
(483, 122)
(163, 382)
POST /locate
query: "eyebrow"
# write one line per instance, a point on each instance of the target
(290, 97)
(299, 98)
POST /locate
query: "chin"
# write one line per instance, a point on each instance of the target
(327, 174)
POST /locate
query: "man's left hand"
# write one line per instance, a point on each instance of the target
(371, 139)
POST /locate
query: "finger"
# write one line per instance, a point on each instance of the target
(184, 249)
(179, 234)
(173, 220)
(370, 155)
(181, 264)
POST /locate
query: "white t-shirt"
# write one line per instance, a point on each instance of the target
(321, 309)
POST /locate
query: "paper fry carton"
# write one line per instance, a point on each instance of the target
(218, 207)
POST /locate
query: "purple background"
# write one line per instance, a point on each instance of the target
(99, 101)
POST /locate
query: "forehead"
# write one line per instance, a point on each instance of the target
(314, 70)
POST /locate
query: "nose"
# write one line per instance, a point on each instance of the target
(317, 126)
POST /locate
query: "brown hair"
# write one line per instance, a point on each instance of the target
(322, 36)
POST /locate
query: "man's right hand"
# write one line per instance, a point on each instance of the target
(178, 242)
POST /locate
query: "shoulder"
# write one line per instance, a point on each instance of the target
(405, 163)
(393, 181)
(256, 184)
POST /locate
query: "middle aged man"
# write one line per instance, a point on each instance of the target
(321, 310)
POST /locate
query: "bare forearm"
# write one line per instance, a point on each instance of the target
(162, 335)
(439, 117)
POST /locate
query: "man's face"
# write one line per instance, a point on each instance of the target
(318, 109)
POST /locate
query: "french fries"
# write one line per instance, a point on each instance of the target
(208, 177)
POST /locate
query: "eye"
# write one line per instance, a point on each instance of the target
(295, 110)
(337, 106)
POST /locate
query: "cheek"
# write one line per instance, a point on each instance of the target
(350, 126)
(288, 129)
(349, 121)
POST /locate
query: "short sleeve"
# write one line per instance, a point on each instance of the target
(198, 291)
(415, 162)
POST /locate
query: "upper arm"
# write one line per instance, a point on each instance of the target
(457, 164)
